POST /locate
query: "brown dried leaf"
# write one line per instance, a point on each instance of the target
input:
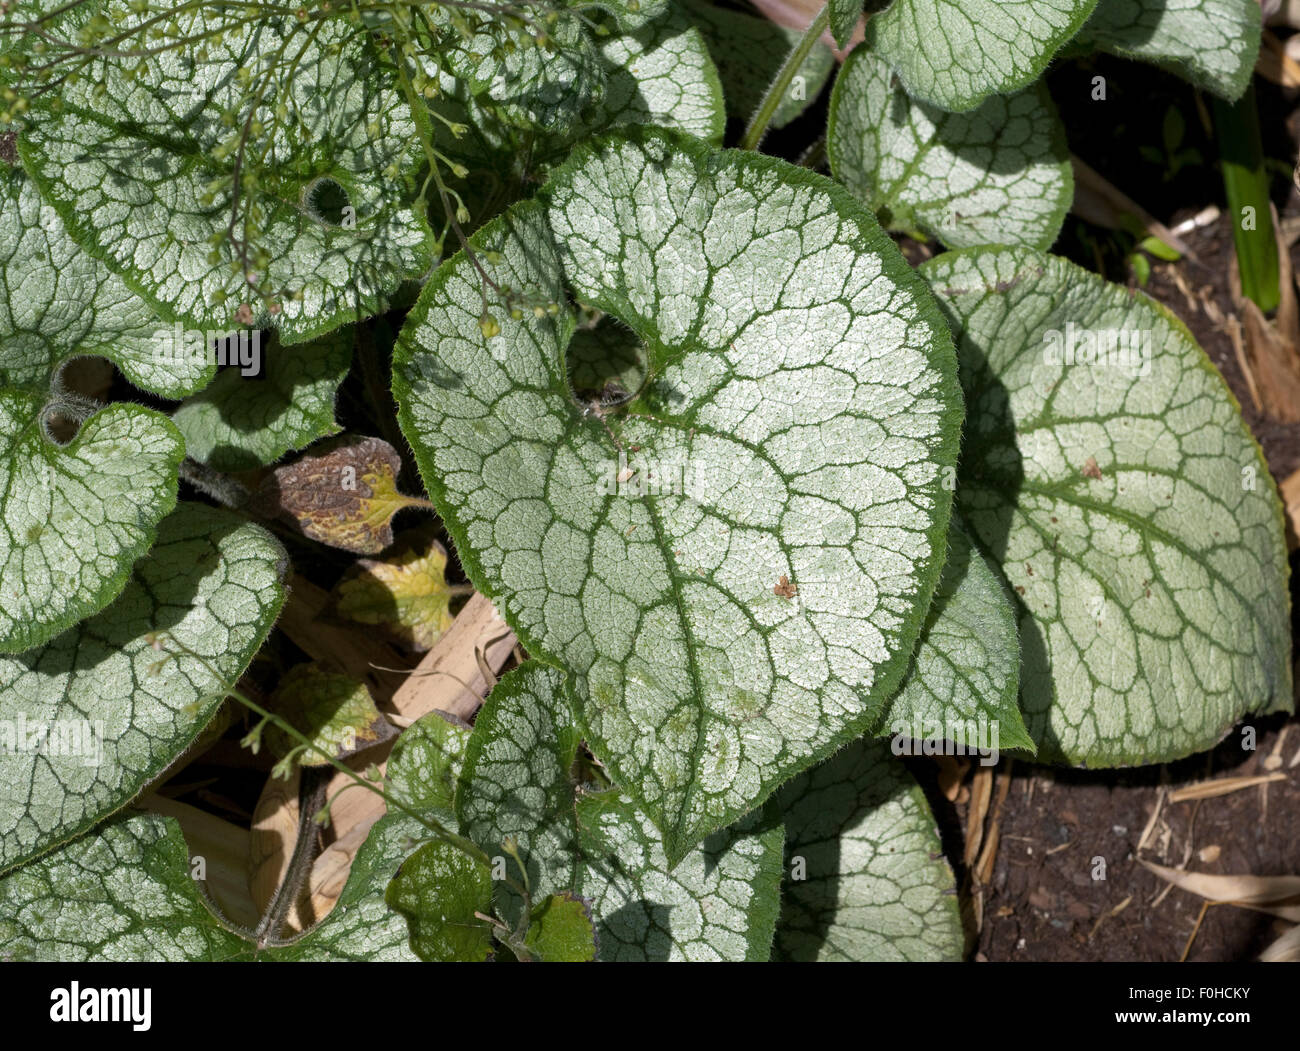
(1277, 895)
(344, 496)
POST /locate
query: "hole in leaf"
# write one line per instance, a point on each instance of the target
(327, 200)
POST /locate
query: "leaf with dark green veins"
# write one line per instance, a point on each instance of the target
(439, 890)
(1212, 43)
(242, 422)
(965, 674)
(801, 414)
(426, 762)
(529, 84)
(129, 154)
(518, 781)
(126, 893)
(74, 515)
(123, 682)
(844, 16)
(956, 53)
(561, 931)
(515, 783)
(1108, 470)
(343, 494)
(719, 903)
(866, 880)
(999, 174)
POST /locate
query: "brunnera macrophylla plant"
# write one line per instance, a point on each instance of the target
(754, 494)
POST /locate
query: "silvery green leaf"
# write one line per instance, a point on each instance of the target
(866, 879)
(73, 516)
(844, 16)
(76, 516)
(240, 422)
(126, 893)
(129, 162)
(754, 612)
(956, 53)
(515, 783)
(519, 783)
(1212, 43)
(530, 84)
(61, 302)
(662, 75)
(122, 694)
(1109, 472)
(965, 673)
(426, 762)
(998, 174)
(719, 903)
(749, 51)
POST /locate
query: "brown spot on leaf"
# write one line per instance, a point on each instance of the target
(784, 588)
(244, 314)
(1090, 469)
(345, 495)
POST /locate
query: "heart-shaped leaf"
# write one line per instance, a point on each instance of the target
(1212, 43)
(1109, 472)
(998, 174)
(442, 892)
(796, 424)
(956, 53)
(137, 157)
(865, 875)
(108, 705)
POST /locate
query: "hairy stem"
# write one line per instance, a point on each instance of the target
(781, 84)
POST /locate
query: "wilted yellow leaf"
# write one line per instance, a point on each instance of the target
(407, 592)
